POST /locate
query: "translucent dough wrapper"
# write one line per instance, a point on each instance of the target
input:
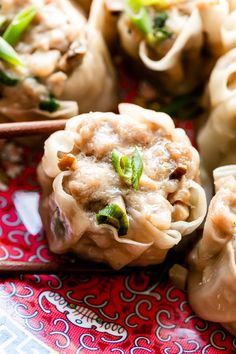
(228, 31)
(187, 43)
(105, 20)
(213, 19)
(216, 139)
(222, 82)
(176, 60)
(212, 275)
(78, 180)
(64, 57)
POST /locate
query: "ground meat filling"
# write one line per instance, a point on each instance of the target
(163, 196)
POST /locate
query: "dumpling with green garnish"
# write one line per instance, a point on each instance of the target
(165, 37)
(51, 62)
(120, 188)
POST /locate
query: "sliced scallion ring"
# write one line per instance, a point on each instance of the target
(19, 25)
(137, 168)
(8, 54)
(122, 165)
(115, 216)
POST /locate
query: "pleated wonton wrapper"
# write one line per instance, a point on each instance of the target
(165, 37)
(62, 62)
(212, 275)
(216, 140)
(120, 188)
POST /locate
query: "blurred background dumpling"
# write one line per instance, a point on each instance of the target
(212, 273)
(52, 62)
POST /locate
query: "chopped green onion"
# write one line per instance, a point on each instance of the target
(50, 104)
(159, 32)
(139, 15)
(8, 54)
(130, 170)
(7, 79)
(113, 215)
(19, 24)
(134, 5)
(163, 4)
(122, 165)
(2, 20)
(158, 36)
(160, 19)
(137, 168)
(142, 20)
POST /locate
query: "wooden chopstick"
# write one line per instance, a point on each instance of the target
(77, 268)
(12, 130)
(18, 267)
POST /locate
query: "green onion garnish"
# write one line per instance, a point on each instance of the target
(130, 170)
(142, 20)
(154, 29)
(139, 15)
(7, 79)
(8, 54)
(161, 4)
(160, 19)
(122, 165)
(157, 36)
(50, 104)
(113, 215)
(137, 168)
(159, 32)
(2, 20)
(134, 5)
(19, 24)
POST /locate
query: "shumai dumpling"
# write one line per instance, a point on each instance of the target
(166, 38)
(216, 139)
(59, 62)
(212, 274)
(120, 188)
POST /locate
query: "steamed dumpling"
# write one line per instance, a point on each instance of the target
(216, 139)
(79, 178)
(212, 275)
(172, 36)
(66, 64)
(170, 42)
